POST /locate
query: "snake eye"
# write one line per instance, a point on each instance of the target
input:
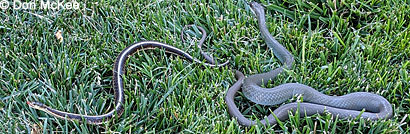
(252, 4)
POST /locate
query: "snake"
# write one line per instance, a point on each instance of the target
(118, 84)
(358, 104)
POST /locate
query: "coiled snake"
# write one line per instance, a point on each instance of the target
(346, 106)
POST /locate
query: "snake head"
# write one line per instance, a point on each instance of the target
(36, 105)
(257, 8)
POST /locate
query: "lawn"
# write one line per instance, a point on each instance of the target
(340, 47)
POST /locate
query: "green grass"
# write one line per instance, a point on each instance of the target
(339, 48)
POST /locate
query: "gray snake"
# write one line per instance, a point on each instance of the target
(347, 106)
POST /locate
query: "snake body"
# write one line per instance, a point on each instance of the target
(118, 86)
(347, 106)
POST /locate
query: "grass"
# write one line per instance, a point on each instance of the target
(339, 48)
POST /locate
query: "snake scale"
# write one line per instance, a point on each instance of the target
(346, 106)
